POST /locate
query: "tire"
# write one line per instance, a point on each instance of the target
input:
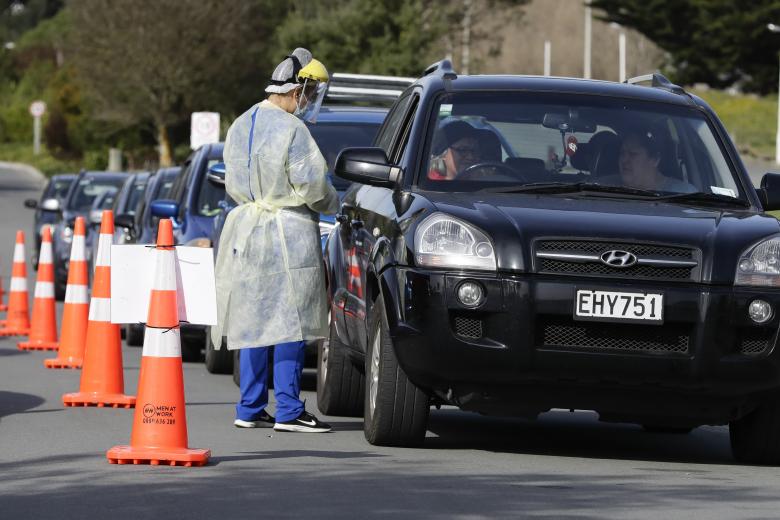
(677, 430)
(190, 349)
(59, 291)
(395, 410)
(755, 438)
(134, 335)
(340, 384)
(218, 361)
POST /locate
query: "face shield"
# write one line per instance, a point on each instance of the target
(310, 100)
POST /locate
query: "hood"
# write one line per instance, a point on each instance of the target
(515, 221)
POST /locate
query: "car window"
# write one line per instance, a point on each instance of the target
(209, 195)
(485, 140)
(57, 189)
(135, 196)
(405, 132)
(393, 121)
(331, 138)
(89, 188)
(180, 184)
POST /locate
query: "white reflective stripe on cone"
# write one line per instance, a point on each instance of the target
(103, 257)
(165, 271)
(162, 343)
(45, 256)
(100, 309)
(76, 294)
(77, 249)
(19, 253)
(44, 289)
(18, 284)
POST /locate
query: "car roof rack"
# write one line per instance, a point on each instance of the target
(657, 80)
(443, 68)
(366, 87)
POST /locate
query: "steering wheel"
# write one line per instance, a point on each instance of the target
(477, 172)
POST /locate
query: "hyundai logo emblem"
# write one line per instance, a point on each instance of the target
(619, 259)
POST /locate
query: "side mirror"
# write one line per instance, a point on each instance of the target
(31, 203)
(367, 166)
(50, 205)
(216, 174)
(164, 208)
(769, 192)
(125, 220)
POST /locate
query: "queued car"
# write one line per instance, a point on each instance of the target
(141, 228)
(126, 205)
(192, 204)
(85, 189)
(337, 127)
(622, 262)
(48, 210)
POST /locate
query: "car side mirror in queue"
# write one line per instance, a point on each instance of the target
(125, 220)
(31, 203)
(216, 174)
(769, 192)
(164, 208)
(367, 166)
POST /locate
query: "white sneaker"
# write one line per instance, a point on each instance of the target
(265, 421)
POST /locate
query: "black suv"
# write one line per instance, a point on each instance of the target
(515, 244)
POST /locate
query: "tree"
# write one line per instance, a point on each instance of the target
(719, 42)
(155, 63)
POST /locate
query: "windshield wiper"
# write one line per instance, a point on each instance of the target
(569, 187)
(700, 196)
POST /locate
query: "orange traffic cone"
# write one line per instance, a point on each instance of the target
(3, 307)
(160, 424)
(43, 331)
(76, 309)
(17, 322)
(102, 380)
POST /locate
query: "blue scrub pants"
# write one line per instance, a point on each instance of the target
(288, 366)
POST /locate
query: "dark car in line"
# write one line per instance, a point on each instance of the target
(127, 204)
(621, 263)
(48, 210)
(337, 127)
(192, 204)
(141, 228)
(88, 186)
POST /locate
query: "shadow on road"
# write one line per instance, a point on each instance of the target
(13, 402)
(579, 435)
(296, 454)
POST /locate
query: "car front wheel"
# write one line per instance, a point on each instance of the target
(395, 410)
(218, 361)
(340, 384)
(755, 438)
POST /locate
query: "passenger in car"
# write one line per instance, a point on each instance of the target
(638, 164)
(455, 148)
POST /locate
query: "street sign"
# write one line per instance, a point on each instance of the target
(37, 108)
(204, 129)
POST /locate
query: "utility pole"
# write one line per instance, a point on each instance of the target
(547, 57)
(588, 38)
(622, 52)
(468, 9)
(776, 29)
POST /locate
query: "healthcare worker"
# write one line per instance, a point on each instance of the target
(269, 272)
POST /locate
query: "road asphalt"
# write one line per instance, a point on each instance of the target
(563, 465)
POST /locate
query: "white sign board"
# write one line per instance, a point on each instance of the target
(37, 108)
(132, 276)
(204, 129)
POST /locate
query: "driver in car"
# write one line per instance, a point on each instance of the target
(455, 148)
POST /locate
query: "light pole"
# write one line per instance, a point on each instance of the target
(588, 39)
(776, 29)
(621, 51)
(547, 58)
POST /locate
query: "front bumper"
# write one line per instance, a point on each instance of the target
(522, 351)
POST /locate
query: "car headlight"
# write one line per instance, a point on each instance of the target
(760, 264)
(199, 242)
(444, 241)
(66, 234)
(325, 229)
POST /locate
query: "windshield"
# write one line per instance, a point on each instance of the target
(89, 188)
(57, 189)
(209, 195)
(334, 137)
(508, 140)
(135, 196)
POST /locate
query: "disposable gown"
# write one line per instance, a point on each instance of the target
(269, 273)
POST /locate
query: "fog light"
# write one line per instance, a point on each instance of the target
(760, 311)
(470, 294)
